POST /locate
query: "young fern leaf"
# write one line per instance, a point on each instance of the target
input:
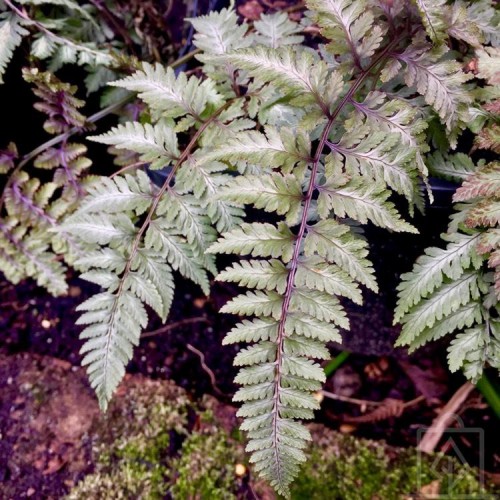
(219, 32)
(134, 273)
(350, 27)
(276, 30)
(143, 233)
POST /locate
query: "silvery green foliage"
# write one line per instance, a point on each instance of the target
(343, 143)
(347, 142)
(456, 289)
(143, 233)
(323, 140)
(11, 35)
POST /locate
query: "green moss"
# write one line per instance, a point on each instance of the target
(347, 468)
(138, 454)
(205, 468)
(131, 444)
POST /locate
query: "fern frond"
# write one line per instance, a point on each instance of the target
(8, 157)
(27, 198)
(219, 32)
(464, 317)
(11, 35)
(455, 167)
(109, 342)
(485, 213)
(362, 202)
(27, 254)
(156, 144)
(100, 229)
(259, 274)
(460, 25)
(255, 303)
(485, 16)
(445, 301)
(179, 254)
(121, 194)
(35, 208)
(299, 73)
(379, 155)
(131, 267)
(441, 82)
(289, 150)
(317, 274)
(484, 182)
(273, 193)
(58, 101)
(468, 348)
(396, 117)
(206, 179)
(257, 240)
(253, 331)
(337, 244)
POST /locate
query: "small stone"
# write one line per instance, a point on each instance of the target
(347, 428)
(240, 470)
(74, 291)
(45, 324)
(199, 303)
(30, 492)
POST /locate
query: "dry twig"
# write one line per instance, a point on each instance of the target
(445, 417)
(207, 369)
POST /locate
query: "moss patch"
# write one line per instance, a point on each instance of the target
(155, 443)
(134, 441)
(349, 468)
(205, 468)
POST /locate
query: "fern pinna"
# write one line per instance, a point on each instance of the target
(456, 289)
